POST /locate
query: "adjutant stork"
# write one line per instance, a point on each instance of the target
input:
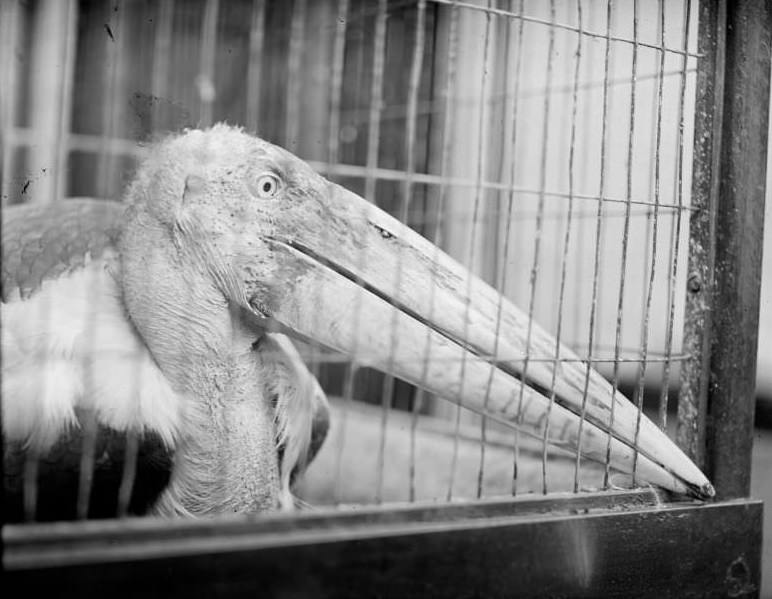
(164, 317)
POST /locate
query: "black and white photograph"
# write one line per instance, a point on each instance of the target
(386, 298)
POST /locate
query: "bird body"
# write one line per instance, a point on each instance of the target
(70, 349)
(165, 317)
(63, 330)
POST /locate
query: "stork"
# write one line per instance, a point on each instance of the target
(168, 316)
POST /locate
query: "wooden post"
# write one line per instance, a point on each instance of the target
(739, 239)
(717, 406)
(692, 401)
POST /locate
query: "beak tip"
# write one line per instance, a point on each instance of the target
(707, 490)
(702, 491)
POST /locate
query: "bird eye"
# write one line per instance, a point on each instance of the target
(266, 185)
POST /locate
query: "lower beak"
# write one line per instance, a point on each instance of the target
(354, 279)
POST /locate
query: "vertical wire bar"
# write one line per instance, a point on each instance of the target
(673, 237)
(160, 69)
(336, 84)
(510, 207)
(447, 140)
(162, 51)
(360, 37)
(352, 367)
(373, 144)
(540, 208)
(639, 390)
(376, 101)
(648, 215)
(30, 490)
(333, 146)
(663, 400)
(131, 449)
(255, 67)
(412, 113)
(88, 418)
(161, 87)
(205, 80)
(65, 119)
(654, 236)
(418, 402)
(481, 152)
(628, 208)
(598, 245)
(294, 77)
(566, 244)
(9, 28)
(387, 390)
(59, 128)
(89, 425)
(293, 118)
(292, 126)
(51, 64)
(113, 64)
(129, 473)
(501, 267)
(407, 195)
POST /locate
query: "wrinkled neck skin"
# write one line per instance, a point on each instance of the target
(226, 459)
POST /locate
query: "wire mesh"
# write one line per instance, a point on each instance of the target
(543, 145)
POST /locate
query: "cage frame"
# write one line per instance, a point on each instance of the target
(478, 548)
(524, 546)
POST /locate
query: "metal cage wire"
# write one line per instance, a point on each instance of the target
(546, 146)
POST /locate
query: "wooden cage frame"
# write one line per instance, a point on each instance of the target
(609, 543)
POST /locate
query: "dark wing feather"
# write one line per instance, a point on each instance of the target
(58, 475)
(41, 242)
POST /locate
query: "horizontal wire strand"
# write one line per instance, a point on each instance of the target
(89, 143)
(554, 25)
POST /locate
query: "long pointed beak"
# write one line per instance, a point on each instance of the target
(350, 277)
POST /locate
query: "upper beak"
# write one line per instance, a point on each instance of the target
(350, 277)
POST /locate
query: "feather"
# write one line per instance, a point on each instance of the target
(301, 407)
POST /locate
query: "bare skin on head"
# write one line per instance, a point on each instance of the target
(190, 227)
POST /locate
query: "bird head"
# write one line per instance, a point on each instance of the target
(195, 263)
(250, 234)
